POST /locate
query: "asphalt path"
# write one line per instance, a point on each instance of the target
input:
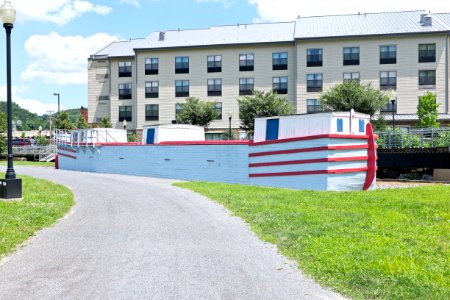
(141, 238)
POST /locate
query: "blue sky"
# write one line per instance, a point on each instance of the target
(52, 39)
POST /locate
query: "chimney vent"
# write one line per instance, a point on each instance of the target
(162, 36)
(426, 20)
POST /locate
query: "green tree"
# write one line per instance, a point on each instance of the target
(196, 112)
(261, 104)
(362, 98)
(105, 122)
(427, 111)
(42, 141)
(62, 121)
(81, 122)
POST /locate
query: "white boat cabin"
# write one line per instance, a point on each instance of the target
(284, 127)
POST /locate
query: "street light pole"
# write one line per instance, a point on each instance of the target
(11, 187)
(393, 114)
(230, 115)
(124, 123)
(57, 94)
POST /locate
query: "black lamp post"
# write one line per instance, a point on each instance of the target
(124, 123)
(230, 115)
(393, 114)
(57, 94)
(11, 187)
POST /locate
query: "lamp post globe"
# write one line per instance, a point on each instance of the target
(124, 123)
(11, 187)
(7, 13)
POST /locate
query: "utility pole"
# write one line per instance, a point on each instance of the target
(50, 112)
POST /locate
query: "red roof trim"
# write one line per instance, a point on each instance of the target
(308, 161)
(313, 137)
(67, 155)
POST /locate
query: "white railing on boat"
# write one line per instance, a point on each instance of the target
(82, 137)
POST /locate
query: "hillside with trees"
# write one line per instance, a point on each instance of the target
(32, 121)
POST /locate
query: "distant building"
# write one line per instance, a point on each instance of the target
(143, 80)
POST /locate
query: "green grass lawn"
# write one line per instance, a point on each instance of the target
(43, 203)
(383, 244)
(29, 163)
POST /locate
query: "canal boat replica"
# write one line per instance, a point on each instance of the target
(324, 151)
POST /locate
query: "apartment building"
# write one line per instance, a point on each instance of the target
(143, 81)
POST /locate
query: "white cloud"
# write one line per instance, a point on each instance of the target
(288, 10)
(56, 11)
(131, 2)
(60, 59)
(33, 105)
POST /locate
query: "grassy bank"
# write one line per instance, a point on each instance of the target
(384, 244)
(43, 203)
(29, 163)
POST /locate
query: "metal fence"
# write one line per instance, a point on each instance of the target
(40, 153)
(414, 138)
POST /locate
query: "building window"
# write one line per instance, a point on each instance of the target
(151, 66)
(427, 53)
(178, 108)
(280, 61)
(100, 98)
(152, 89)
(388, 54)
(125, 91)
(124, 68)
(280, 85)
(182, 65)
(314, 57)
(427, 79)
(218, 109)
(351, 77)
(102, 76)
(125, 113)
(351, 56)
(314, 82)
(246, 86)
(214, 63)
(214, 87)
(388, 107)
(388, 80)
(181, 88)
(246, 62)
(151, 112)
(313, 106)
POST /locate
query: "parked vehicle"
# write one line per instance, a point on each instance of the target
(23, 142)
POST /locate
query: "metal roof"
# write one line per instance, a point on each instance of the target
(117, 49)
(413, 117)
(369, 24)
(303, 28)
(221, 35)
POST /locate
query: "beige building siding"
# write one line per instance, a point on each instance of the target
(98, 86)
(198, 77)
(407, 67)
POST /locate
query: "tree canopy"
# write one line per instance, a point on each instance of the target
(362, 98)
(427, 111)
(261, 104)
(196, 112)
(81, 122)
(105, 122)
(62, 121)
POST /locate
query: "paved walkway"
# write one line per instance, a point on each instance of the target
(141, 238)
